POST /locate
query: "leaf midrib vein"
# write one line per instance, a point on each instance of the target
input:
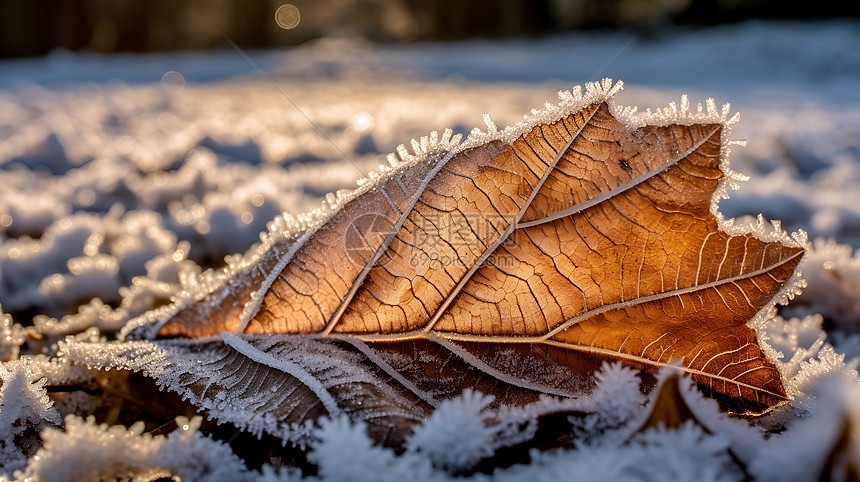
(622, 187)
(515, 224)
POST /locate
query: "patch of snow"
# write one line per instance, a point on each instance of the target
(85, 451)
(24, 409)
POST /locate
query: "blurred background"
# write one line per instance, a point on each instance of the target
(35, 27)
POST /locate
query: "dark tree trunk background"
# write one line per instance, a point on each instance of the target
(35, 27)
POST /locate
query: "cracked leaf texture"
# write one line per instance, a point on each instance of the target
(519, 267)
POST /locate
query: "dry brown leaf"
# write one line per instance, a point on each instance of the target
(516, 267)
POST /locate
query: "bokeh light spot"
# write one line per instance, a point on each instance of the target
(288, 16)
(172, 81)
(257, 200)
(5, 220)
(86, 197)
(362, 122)
(247, 217)
(125, 145)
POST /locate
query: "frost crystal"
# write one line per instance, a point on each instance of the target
(833, 277)
(618, 393)
(24, 409)
(12, 336)
(457, 435)
(616, 400)
(85, 451)
(345, 453)
(822, 446)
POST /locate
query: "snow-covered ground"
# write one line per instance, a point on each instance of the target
(118, 177)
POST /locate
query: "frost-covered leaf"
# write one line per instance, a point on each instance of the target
(514, 264)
